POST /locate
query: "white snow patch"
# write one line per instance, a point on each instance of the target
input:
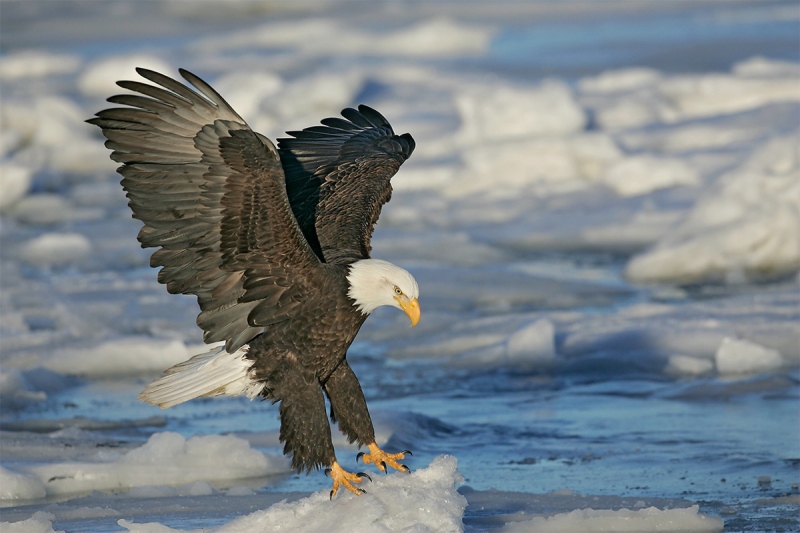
(643, 174)
(686, 365)
(747, 225)
(24, 64)
(646, 520)
(620, 80)
(708, 95)
(15, 180)
(425, 500)
(14, 388)
(100, 78)
(432, 37)
(43, 209)
(252, 94)
(40, 522)
(505, 169)
(762, 67)
(739, 356)
(497, 112)
(20, 486)
(166, 459)
(125, 355)
(56, 249)
(534, 343)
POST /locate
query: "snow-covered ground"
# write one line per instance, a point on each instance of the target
(603, 213)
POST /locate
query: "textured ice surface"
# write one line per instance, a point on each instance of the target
(638, 520)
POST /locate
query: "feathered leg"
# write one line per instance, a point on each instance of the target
(349, 410)
(305, 430)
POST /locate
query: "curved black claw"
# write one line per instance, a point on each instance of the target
(331, 494)
(405, 469)
(328, 472)
(385, 468)
(364, 474)
(362, 491)
(359, 456)
(408, 452)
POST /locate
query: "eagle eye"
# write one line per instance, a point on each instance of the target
(397, 291)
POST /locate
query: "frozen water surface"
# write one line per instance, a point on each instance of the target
(603, 213)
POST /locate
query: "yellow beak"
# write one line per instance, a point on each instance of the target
(411, 308)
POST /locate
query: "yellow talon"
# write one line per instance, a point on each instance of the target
(342, 477)
(381, 459)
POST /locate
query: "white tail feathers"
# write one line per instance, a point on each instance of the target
(213, 373)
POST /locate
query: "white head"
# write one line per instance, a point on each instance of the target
(374, 283)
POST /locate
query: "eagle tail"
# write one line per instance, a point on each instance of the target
(213, 373)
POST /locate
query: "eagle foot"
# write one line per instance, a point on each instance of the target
(383, 460)
(343, 478)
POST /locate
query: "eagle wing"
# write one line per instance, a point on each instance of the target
(211, 194)
(337, 179)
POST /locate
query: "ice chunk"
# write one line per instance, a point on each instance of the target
(166, 459)
(15, 389)
(643, 174)
(621, 80)
(718, 94)
(433, 37)
(762, 67)
(15, 180)
(689, 366)
(640, 521)
(246, 91)
(738, 356)
(100, 77)
(20, 486)
(125, 355)
(425, 500)
(746, 226)
(56, 249)
(498, 112)
(40, 522)
(534, 343)
(16, 66)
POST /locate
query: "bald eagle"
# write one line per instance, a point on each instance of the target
(275, 244)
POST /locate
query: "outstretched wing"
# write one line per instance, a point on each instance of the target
(212, 196)
(337, 178)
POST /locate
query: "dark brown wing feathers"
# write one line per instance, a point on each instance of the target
(237, 223)
(337, 178)
(192, 169)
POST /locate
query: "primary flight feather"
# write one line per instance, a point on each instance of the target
(275, 244)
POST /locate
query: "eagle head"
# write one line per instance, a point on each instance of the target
(374, 283)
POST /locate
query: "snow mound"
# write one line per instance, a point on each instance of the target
(492, 113)
(40, 522)
(28, 64)
(640, 521)
(643, 174)
(534, 343)
(122, 356)
(737, 356)
(166, 459)
(15, 180)
(100, 78)
(747, 226)
(425, 500)
(56, 249)
(436, 37)
(20, 486)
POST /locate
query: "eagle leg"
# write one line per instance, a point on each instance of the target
(342, 477)
(382, 460)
